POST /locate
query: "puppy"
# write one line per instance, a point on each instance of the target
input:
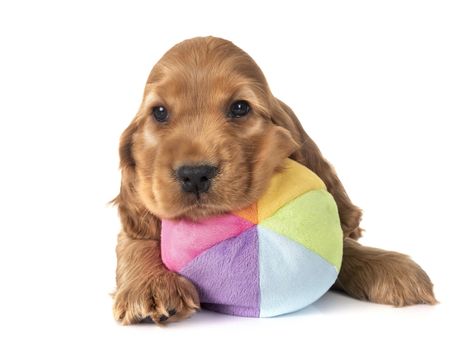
(207, 138)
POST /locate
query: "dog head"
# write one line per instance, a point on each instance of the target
(208, 136)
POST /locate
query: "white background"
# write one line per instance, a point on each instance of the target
(382, 87)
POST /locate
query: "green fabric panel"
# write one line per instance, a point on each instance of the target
(312, 220)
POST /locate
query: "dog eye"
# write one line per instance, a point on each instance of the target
(239, 109)
(160, 113)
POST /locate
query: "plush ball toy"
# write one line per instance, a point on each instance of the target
(277, 256)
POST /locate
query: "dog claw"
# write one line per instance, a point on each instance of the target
(172, 312)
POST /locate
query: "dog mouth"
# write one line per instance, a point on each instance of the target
(199, 209)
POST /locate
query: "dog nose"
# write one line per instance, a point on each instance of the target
(196, 179)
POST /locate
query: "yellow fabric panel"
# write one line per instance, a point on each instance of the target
(294, 180)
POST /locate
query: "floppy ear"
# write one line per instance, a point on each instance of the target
(309, 155)
(137, 221)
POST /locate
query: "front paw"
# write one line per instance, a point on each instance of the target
(165, 298)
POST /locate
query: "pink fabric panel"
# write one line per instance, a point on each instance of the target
(183, 240)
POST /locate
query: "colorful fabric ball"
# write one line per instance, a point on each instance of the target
(277, 256)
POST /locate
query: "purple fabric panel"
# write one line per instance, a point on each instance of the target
(227, 275)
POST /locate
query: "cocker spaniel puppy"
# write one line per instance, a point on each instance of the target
(207, 138)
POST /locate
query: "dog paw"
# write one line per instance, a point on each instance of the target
(164, 298)
(407, 284)
(383, 277)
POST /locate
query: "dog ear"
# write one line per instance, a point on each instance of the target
(309, 155)
(137, 221)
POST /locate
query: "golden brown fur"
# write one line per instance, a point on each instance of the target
(197, 80)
